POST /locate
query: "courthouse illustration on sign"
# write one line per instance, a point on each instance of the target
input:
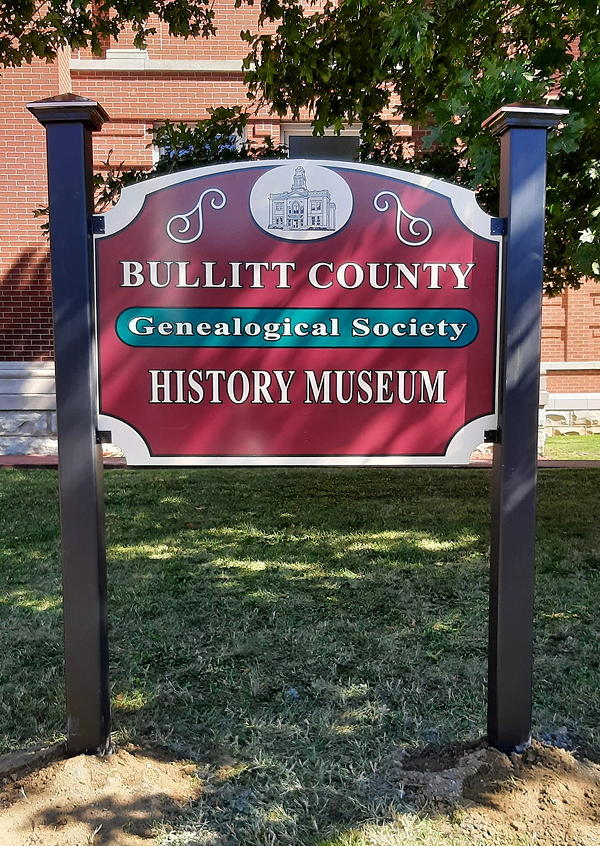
(300, 208)
(301, 201)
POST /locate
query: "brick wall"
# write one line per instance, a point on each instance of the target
(571, 332)
(226, 44)
(25, 308)
(574, 381)
(138, 101)
(135, 101)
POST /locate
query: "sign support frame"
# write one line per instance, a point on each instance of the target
(522, 129)
(69, 121)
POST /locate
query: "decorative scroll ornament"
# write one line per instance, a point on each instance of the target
(418, 227)
(184, 221)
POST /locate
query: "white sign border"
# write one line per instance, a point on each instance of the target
(463, 201)
(136, 451)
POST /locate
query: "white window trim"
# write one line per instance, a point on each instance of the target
(126, 59)
(156, 150)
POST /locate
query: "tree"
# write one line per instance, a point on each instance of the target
(181, 146)
(450, 63)
(30, 29)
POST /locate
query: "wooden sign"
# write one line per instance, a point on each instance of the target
(297, 312)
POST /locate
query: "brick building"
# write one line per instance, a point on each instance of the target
(180, 80)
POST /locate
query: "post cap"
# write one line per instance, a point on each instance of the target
(69, 107)
(523, 116)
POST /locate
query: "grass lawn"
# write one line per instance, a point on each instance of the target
(573, 447)
(292, 628)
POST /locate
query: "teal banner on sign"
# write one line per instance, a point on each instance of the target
(296, 327)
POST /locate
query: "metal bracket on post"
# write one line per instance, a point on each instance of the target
(69, 121)
(98, 224)
(522, 129)
(492, 436)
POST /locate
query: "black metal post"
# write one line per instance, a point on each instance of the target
(69, 122)
(522, 130)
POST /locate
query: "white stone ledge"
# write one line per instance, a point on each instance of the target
(22, 369)
(565, 395)
(569, 365)
(577, 401)
(28, 423)
(28, 402)
(126, 63)
(17, 445)
(27, 386)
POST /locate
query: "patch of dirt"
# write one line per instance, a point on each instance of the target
(545, 797)
(116, 800)
(435, 758)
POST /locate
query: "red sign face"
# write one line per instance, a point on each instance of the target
(297, 312)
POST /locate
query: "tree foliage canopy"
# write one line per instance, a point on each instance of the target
(30, 29)
(449, 63)
(182, 146)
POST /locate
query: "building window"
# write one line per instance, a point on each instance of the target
(231, 142)
(298, 138)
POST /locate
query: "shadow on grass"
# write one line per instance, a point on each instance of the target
(301, 624)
